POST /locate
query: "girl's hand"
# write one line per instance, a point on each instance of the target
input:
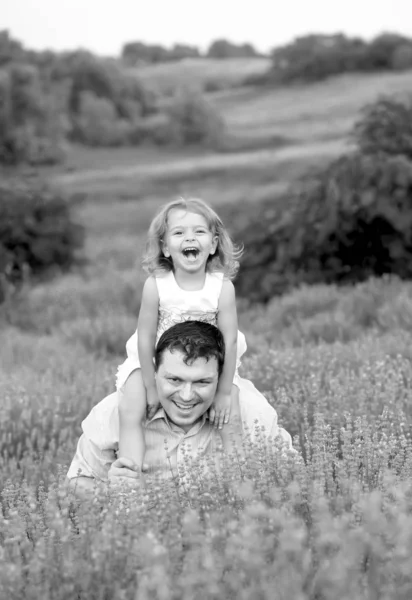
(219, 413)
(152, 401)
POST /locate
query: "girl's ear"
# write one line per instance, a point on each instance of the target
(214, 245)
(165, 249)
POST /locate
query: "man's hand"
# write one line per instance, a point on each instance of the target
(152, 401)
(125, 472)
(219, 413)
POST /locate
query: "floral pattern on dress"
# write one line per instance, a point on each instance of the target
(168, 318)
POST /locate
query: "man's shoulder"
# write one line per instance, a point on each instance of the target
(101, 426)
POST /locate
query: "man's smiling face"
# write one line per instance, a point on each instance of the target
(186, 392)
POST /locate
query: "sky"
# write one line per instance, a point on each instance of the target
(103, 26)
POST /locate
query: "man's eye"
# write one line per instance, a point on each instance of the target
(174, 379)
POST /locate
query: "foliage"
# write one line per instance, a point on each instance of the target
(194, 120)
(386, 126)
(10, 49)
(156, 129)
(382, 49)
(315, 57)
(349, 221)
(341, 223)
(139, 53)
(224, 49)
(97, 124)
(46, 98)
(31, 127)
(105, 79)
(402, 58)
(37, 232)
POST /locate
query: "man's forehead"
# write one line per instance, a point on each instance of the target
(175, 362)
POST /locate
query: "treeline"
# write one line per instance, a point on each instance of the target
(48, 99)
(342, 223)
(139, 53)
(315, 57)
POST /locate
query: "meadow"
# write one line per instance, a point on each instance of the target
(207, 73)
(333, 522)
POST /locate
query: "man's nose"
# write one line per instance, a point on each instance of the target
(186, 391)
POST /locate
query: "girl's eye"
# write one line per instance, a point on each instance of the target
(178, 233)
(200, 231)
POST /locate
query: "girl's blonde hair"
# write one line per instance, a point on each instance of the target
(226, 257)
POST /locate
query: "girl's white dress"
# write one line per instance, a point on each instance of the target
(175, 306)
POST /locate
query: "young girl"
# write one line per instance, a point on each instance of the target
(190, 260)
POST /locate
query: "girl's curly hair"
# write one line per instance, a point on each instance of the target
(224, 260)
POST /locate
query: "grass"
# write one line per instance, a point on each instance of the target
(273, 135)
(307, 113)
(332, 523)
(200, 73)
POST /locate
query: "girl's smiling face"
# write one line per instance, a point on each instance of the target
(188, 241)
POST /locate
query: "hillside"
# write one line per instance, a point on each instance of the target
(164, 77)
(273, 136)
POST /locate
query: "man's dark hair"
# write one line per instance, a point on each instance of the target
(194, 339)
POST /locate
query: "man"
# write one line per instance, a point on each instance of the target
(189, 359)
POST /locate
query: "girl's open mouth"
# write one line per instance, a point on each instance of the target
(191, 253)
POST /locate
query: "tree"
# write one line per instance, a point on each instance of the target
(402, 57)
(10, 50)
(386, 127)
(225, 49)
(382, 48)
(31, 128)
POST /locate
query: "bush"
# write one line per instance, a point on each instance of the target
(402, 58)
(194, 120)
(31, 125)
(349, 222)
(156, 129)
(97, 123)
(36, 231)
(386, 126)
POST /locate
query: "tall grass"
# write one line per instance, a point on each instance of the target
(332, 522)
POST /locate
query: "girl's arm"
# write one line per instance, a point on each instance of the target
(227, 322)
(147, 330)
(139, 392)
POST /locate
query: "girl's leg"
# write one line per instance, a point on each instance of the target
(232, 433)
(132, 412)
